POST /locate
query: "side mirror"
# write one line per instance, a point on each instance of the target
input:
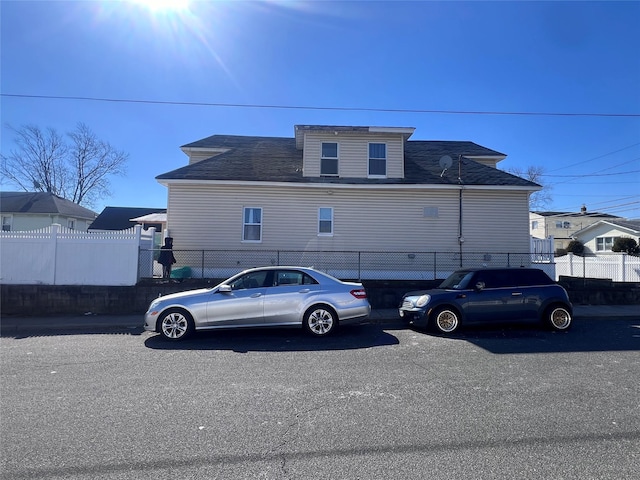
(224, 289)
(480, 286)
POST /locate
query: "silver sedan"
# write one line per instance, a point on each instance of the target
(261, 297)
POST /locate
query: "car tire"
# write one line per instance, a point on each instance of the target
(320, 320)
(558, 318)
(445, 320)
(175, 324)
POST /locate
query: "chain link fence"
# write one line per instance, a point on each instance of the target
(221, 264)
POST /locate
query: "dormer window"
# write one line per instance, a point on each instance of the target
(329, 159)
(377, 160)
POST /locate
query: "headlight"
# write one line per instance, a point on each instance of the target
(153, 305)
(423, 300)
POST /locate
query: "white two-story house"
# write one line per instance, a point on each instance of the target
(342, 188)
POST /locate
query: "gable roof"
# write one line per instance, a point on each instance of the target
(633, 226)
(577, 214)
(276, 159)
(120, 218)
(42, 203)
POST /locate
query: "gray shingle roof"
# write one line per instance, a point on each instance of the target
(42, 203)
(119, 218)
(630, 224)
(276, 159)
(576, 214)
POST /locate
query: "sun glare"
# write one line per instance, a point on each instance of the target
(163, 5)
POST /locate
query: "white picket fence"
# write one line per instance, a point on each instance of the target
(60, 256)
(618, 267)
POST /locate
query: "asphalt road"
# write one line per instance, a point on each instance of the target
(375, 401)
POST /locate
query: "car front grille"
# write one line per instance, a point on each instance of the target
(408, 304)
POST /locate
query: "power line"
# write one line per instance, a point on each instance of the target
(596, 158)
(613, 201)
(310, 107)
(622, 207)
(592, 175)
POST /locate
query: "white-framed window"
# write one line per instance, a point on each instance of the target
(561, 224)
(71, 223)
(377, 159)
(329, 159)
(7, 220)
(604, 244)
(534, 225)
(325, 221)
(252, 224)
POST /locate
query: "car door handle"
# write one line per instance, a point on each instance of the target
(461, 295)
(256, 295)
(304, 290)
(516, 294)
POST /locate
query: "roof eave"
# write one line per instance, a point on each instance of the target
(334, 186)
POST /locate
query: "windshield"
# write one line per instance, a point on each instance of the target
(457, 280)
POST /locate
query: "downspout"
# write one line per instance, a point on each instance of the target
(460, 237)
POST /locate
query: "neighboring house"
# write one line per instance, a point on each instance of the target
(600, 236)
(562, 226)
(123, 218)
(25, 211)
(340, 188)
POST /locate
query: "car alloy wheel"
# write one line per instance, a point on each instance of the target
(320, 321)
(559, 318)
(176, 325)
(446, 320)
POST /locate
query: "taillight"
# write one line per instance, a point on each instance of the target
(359, 293)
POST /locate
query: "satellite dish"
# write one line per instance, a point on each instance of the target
(445, 162)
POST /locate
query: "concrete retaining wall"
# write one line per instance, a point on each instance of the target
(72, 299)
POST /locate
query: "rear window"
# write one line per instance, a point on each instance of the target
(533, 276)
(293, 277)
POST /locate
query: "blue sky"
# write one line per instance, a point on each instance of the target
(338, 63)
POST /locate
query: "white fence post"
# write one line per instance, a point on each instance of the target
(55, 230)
(146, 244)
(570, 264)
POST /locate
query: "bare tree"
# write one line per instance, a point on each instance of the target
(92, 160)
(540, 199)
(77, 169)
(39, 161)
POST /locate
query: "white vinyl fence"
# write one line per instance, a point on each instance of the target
(60, 256)
(618, 267)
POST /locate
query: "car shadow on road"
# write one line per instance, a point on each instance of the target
(590, 335)
(21, 333)
(278, 340)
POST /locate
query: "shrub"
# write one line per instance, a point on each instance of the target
(625, 245)
(576, 247)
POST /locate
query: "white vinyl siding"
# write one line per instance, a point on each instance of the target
(370, 219)
(353, 151)
(495, 221)
(590, 238)
(26, 222)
